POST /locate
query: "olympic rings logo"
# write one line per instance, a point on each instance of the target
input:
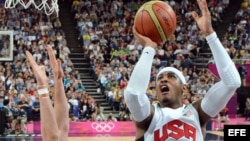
(103, 135)
(103, 126)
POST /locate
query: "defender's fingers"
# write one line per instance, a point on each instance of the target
(52, 57)
(42, 68)
(31, 60)
(59, 63)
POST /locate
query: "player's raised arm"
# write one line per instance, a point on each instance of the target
(61, 104)
(135, 93)
(221, 92)
(49, 126)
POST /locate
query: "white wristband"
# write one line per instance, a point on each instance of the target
(43, 91)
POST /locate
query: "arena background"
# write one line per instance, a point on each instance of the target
(95, 42)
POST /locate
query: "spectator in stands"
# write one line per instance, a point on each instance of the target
(243, 73)
(123, 82)
(201, 85)
(66, 81)
(110, 96)
(187, 97)
(73, 100)
(36, 109)
(5, 51)
(151, 120)
(19, 117)
(83, 109)
(222, 117)
(57, 24)
(111, 118)
(124, 113)
(94, 117)
(186, 62)
(79, 87)
(19, 83)
(116, 98)
(54, 122)
(24, 104)
(150, 93)
(90, 107)
(186, 102)
(99, 112)
(247, 109)
(3, 116)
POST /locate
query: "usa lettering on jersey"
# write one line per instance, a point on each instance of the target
(177, 129)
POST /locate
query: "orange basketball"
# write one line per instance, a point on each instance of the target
(156, 20)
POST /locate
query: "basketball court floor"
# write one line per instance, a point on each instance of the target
(212, 135)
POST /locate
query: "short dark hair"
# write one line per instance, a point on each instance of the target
(1, 97)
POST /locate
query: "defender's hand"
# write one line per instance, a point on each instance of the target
(55, 64)
(39, 71)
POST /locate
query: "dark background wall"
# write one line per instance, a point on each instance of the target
(243, 93)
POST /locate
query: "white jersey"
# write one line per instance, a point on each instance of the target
(180, 124)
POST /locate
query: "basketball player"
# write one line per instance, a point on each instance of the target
(168, 119)
(54, 121)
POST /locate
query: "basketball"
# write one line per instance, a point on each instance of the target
(156, 20)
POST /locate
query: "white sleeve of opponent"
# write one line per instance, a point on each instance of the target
(135, 92)
(220, 93)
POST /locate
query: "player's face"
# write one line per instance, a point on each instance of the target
(169, 90)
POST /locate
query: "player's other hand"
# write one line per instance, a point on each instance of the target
(204, 21)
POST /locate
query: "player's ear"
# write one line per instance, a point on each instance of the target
(185, 88)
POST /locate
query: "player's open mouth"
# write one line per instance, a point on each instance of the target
(164, 89)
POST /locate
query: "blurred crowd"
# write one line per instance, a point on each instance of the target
(105, 30)
(33, 30)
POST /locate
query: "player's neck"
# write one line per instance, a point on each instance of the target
(172, 105)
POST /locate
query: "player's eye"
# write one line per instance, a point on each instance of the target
(160, 77)
(171, 75)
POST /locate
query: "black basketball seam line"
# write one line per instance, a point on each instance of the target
(167, 13)
(142, 20)
(154, 23)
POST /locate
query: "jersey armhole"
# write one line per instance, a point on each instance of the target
(154, 119)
